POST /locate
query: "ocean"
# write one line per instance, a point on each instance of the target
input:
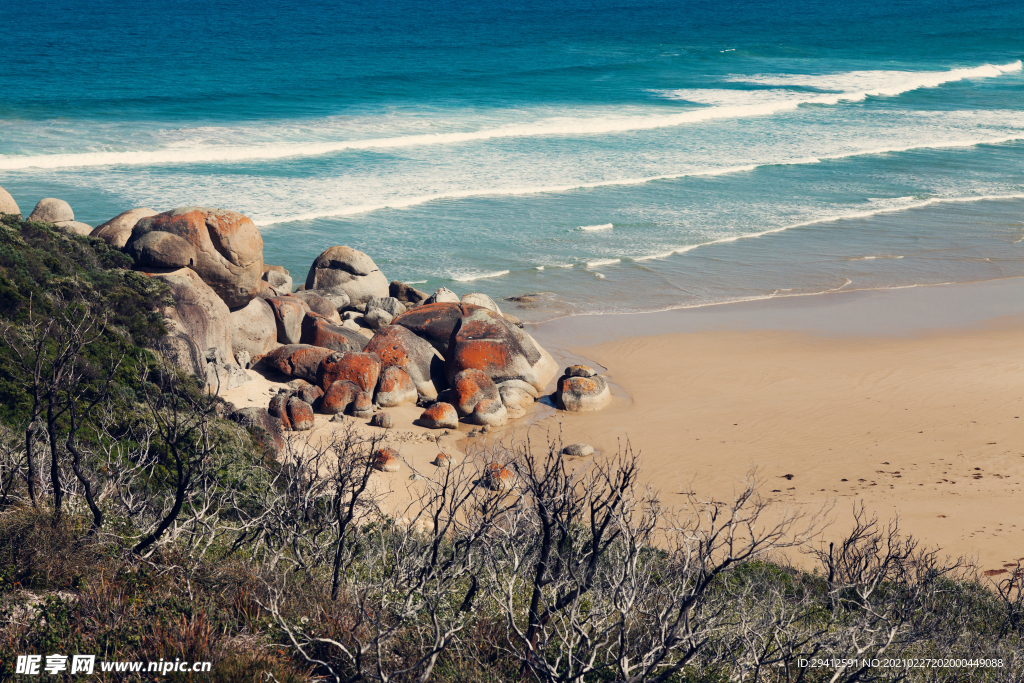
(600, 155)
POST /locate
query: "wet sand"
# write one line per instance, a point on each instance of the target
(911, 401)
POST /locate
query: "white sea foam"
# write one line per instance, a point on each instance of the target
(595, 228)
(851, 86)
(416, 282)
(469, 277)
(407, 202)
(603, 262)
(873, 258)
(599, 276)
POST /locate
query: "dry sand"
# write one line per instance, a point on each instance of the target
(915, 420)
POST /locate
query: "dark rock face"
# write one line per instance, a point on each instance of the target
(162, 250)
(440, 416)
(395, 388)
(278, 278)
(118, 229)
(386, 303)
(406, 293)
(300, 413)
(399, 347)
(318, 331)
(52, 210)
(435, 322)
(471, 386)
(339, 396)
(382, 420)
(348, 271)
(580, 371)
(278, 410)
(361, 368)
(485, 341)
(320, 305)
(228, 246)
(289, 312)
(297, 360)
(311, 394)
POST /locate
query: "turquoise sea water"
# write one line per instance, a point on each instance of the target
(608, 155)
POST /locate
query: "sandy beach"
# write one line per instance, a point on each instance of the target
(910, 401)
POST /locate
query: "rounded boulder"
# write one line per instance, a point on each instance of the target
(489, 412)
(197, 320)
(361, 368)
(228, 245)
(485, 341)
(582, 394)
(162, 250)
(386, 460)
(339, 396)
(7, 203)
(435, 322)
(297, 360)
(349, 271)
(382, 420)
(395, 388)
(118, 229)
(300, 414)
(440, 416)
(52, 210)
(254, 330)
(470, 387)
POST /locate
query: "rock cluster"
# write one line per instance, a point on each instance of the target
(359, 341)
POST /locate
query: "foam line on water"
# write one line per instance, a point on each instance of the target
(614, 182)
(596, 228)
(469, 277)
(556, 126)
(833, 218)
(603, 262)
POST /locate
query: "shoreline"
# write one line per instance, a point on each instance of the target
(909, 400)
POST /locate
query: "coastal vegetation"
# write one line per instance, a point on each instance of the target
(138, 523)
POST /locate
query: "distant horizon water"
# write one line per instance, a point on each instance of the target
(604, 157)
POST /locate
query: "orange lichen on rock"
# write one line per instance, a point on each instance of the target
(361, 368)
(297, 360)
(386, 460)
(499, 478)
(470, 387)
(440, 416)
